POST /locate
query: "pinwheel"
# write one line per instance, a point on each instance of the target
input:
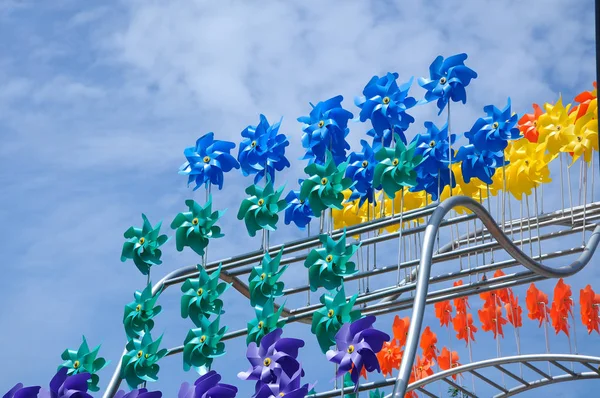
(422, 368)
(428, 344)
(474, 189)
(139, 363)
(201, 295)
(207, 161)
(462, 324)
(361, 166)
(297, 211)
(357, 344)
(443, 312)
(448, 360)
(83, 360)
(274, 357)
(351, 214)
(328, 320)
(396, 168)
(561, 307)
(447, 80)
(376, 394)
(263, 280)
(202, 345)
(514, 311)
(142, 245)
(197, 226)
(527, 169)
(138, 393)
(411, 201)
(502, 294)
(262, 152)
(288, 386)
(385, 104)
(400, 329)
(462, 303)
(491, 320)
(328, 265)
(528, 124)
(139, 314)
(389, 357)
(64, 386)
(585, 140)
(207, 386)
(267, 320)
(537, 304)
(326, 129)
(589, 303)
(492, 133)
(18, 391)
(479, 164)
(556, 127)
(259, 211)
(325, 184)
(586, 100)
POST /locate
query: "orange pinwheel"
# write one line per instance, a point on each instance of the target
(490, 299)
(448, 360)
(590, 304)
(562, 297)
(585, 99)
(560, 320)
(422, 369)
(389, 357)
(514, 311)
(491, 320)
(537, 304)
(528, 124)
(443, 311)
(428, 344)
(400, 329)
(503, 294)
(464, 328)
(461, 303)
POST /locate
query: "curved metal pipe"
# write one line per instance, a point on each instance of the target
(431, 231)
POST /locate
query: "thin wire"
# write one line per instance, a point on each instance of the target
(401, 226)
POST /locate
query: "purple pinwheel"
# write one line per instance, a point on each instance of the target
(326, 128)
(479, 164)
(298, 211)
(138, 393)
(207, 386)
(263, 148)
(207, 161)
(356, 346)
(361, 167)
(286, 386)
(18, 391)
(448, 79)
(492, 133)
(385, 104)
(64, 386)
(433, 173)
(274, 358)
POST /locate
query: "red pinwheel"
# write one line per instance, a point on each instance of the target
(400, 329)
(491, 320)
(389, 357)
(428, 344)
(514, 311)
(448, 360)
(537, 304)
(590, 304)
(528, 124)
(464, 328)
(443, 312)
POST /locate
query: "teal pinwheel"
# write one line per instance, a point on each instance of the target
(263, 279)
(259, 211)
(139, 314)
(142, 245)
(327, 321)
(267, 320)
(396, 167)
(325, 184)
(376, 394)
(139, 363)
(197, 226)
(201, 296)
(84, 361)
(328, 265)
(203, 344)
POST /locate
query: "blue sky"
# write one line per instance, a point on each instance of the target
(99, 99)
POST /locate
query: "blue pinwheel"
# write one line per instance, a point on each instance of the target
(207, 161)
(262, 151)
(361, 169)
(326, 128)
(492, 133)
(479, 164)
(433, 174)
(385, 104)
(298, 211)
(448, 79)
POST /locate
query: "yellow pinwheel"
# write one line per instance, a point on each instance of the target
(528, 167)
(474, 189)
(585, 138)
(556, 127)
(351, 214)
(412, 201)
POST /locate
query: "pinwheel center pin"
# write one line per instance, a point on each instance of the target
(263, 276)
(329, 258)
(200, 291)
(195, 221)
(432, 143)
(253, 144)
(260, 324)
(330, 313)
(261, 202)
(147, 356)
(140, 353)
(579, 138)
(76, 365)
(527, 162)
(365, 163)
(350, 349)
(324, 181)
(138, 307)
(495, 125)
(267, 361)
(202, 338)
(557, 128)
(534, 123)
(443, 80)
(321, 123)
(395, 162)
(281, 394)
(386, 100)
(301, 202)
(142, 240)
(206, 159)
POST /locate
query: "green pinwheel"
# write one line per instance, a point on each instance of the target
(203, 344)
(143, 244)
(327, 321)
(195, 227)
(328, 265)
(396, 167)
(267, 320)
(84, 361)
(139, 363)
(201, 296)
(325, 184)
(138, 315)
(376, 394)
(259, 211)
(263, 280)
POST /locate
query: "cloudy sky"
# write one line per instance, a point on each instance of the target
(98, 99)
